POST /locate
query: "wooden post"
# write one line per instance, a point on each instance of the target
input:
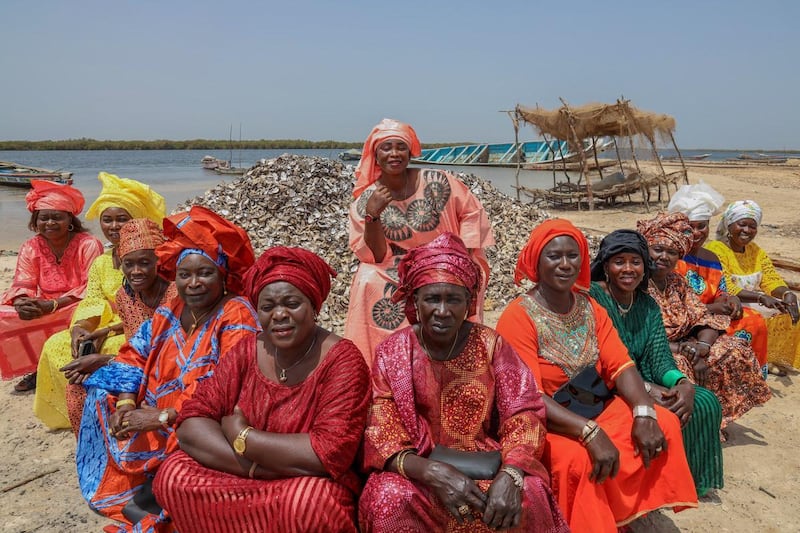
(680, 156)
(579, 146)
(596, 162)
(645, 190)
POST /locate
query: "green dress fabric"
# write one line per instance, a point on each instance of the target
(642, 331)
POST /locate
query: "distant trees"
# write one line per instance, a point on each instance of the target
(192, 144)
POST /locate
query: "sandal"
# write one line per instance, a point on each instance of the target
(27, 383)
(775, 370)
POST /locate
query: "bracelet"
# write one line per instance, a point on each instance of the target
(126, 401)
(55, 305)
(401, 457)
(515, 475)
(590, 426)
(704, 343)
(647, 387)
(252, 470)
(591, 436)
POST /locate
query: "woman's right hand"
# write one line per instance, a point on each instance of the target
(81, 368)
(78, 334)
(454, 489)
(648, 439)
(604, 456)
(115, 422)
(378, 200)
(27, 308)
(680, 400)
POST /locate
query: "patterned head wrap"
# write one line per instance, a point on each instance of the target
(738, 210)
(622, 241)
(668, 229)
(202, 231)
(304, 269)
(528, 261)
(139, 234)
(55, 196)
(443, 260)
(698, 202)
(138, 199)
(368, 171)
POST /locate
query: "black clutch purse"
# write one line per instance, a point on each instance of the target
(585, 394)
(474, 465)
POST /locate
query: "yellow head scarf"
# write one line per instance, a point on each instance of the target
(138, 199)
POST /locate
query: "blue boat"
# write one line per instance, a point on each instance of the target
(506, 154)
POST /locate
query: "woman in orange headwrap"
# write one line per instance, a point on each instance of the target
(627, 460)
(49, 280)
(132, 404)
(397, 208)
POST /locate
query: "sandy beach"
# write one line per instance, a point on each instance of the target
(38, 484)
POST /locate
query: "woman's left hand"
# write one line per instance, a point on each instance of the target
(503, 503)
(789, 300)
(80, 369)
(680, 400)
(700, 368)
(233, 423)
(145, 418)
(648, 439)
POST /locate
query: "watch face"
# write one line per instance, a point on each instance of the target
(163, 417)
(238, 445)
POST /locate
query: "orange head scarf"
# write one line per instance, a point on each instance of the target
(528, 261)
(51, 195)
(139, 234)
(368, 171)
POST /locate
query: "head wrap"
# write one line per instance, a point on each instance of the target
(304, 269)
(202, 231)
(139, 234)
(698, 202)
(528, 261)
(138, 199)
(55, 196)
(622, 241)
(368, 171)
(738, 210)
(668, 229)
(443, 260)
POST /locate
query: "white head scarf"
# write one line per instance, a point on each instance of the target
(698, 202)
(738, 210)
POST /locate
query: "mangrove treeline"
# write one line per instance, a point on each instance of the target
(194, 144)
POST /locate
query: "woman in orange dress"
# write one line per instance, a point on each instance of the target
(397, 208)
(630, 459)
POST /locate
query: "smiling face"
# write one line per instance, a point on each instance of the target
(699, 233)
(139, 268)
(286, 316)
(111, 221)
(625, 271)
(441, 309)
(53, 225)
(560, 264)
(393, 156)
(742, 232)
(199, 283)
(665, 259)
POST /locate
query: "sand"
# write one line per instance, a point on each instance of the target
(39, 490)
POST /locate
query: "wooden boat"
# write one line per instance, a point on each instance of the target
(353, 154)
(210, 162)
(238, 171)
(18, 175)
(700, 157)
(506, 154)
(762, 157)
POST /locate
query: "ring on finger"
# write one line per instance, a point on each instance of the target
(463, 509)
(125, 423)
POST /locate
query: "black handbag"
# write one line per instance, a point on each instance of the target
(474, 465)
(142, 504)
(585, 394)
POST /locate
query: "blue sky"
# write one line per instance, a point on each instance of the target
(727, 71)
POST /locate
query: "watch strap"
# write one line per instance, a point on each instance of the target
(644, 410)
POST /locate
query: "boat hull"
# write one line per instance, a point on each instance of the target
(14, 175)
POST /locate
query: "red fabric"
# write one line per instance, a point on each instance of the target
(330, 405)
(56, 196)
(304, 269)
(368, 171)
(528, 261)
(444, 259)
(203, 229)
(139, 234)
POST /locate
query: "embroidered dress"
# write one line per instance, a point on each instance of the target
(734, 374)
(708, 281)
(441, 203)
(419, 402)
(753, 270)
(39, 275)
(552, 345)
(163, 364)
(642, 331)
(330, 405)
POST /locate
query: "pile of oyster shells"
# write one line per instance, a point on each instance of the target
(304, 201)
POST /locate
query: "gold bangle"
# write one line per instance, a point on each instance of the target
(515, 475)
(126, 401)
(591, 436)
(401, 457)
(590, 426)
(252, 470)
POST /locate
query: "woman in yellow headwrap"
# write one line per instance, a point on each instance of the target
(96, 318)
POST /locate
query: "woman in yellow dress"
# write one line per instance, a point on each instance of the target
(96, 317)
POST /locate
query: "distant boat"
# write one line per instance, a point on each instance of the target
(353, 154)
(507, 154)
(230, 170)
(699, 157)
(762, 157)
(18, 175)
(210, 162)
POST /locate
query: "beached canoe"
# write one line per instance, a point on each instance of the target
(17, 175)
(350, 155)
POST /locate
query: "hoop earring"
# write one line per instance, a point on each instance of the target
(71, 227)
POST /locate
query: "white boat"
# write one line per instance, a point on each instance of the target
(211, 163)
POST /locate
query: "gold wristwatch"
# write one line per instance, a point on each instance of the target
(240, 442)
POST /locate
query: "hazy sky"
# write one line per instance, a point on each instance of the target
(728, 71)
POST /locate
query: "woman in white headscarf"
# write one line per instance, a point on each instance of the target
(754, 280)
(703, 272)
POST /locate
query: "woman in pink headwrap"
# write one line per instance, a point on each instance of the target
(49, 280)
(279, 423)
(446, 386)
(397, 208)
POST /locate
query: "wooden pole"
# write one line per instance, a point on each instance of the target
(680, 156)
(596, 162)
(579, 147)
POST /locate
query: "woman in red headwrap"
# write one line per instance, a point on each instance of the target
(279, 423)
(132, 404)
(49, 280)
(446, 384)
(397, 208)
(628, 460)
